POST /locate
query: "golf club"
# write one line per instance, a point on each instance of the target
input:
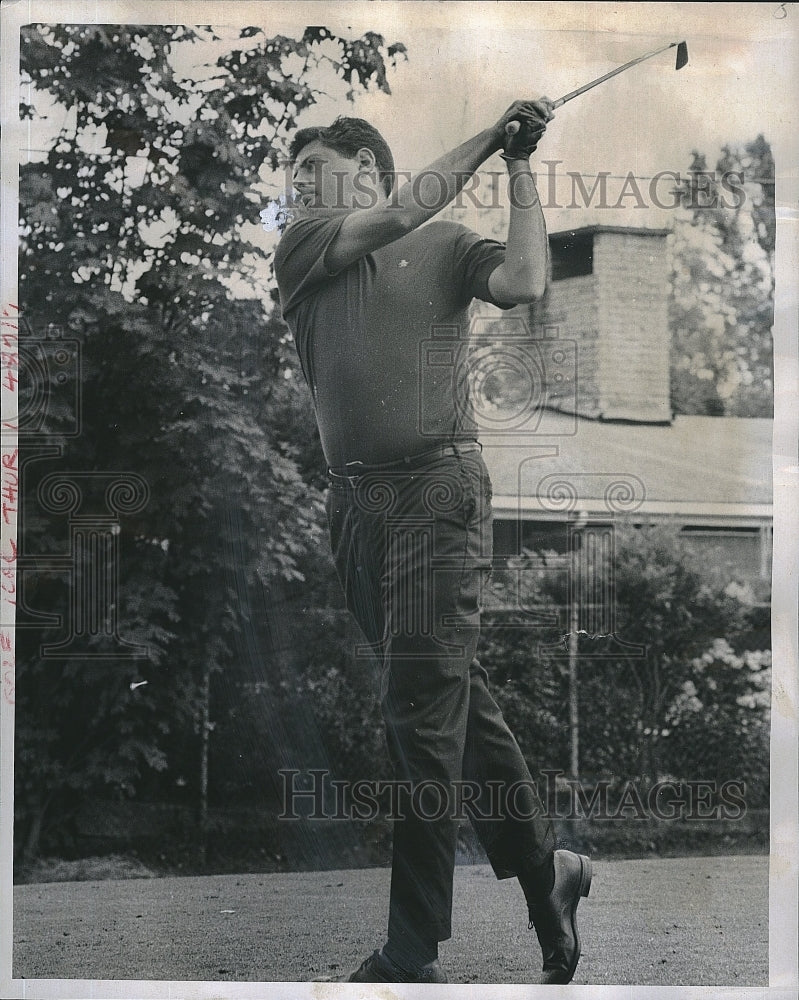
(682, 58)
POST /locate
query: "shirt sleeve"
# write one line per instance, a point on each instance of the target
(475, 259)
(300, 258)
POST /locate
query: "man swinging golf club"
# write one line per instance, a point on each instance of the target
(363, 283)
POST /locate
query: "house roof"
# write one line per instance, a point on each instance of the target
(620, 229)
(712, 468)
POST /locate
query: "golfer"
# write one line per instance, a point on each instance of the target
(366, 288)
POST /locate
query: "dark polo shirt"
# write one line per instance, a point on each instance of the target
(383, 342)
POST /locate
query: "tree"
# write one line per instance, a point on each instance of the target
(722, 308)
(135, 246)
(719, 719)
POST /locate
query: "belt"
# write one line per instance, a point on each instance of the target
(355, 470)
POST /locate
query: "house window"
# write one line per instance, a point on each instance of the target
(511, 536)
(743, 551)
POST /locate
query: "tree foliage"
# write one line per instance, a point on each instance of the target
(635, 720)
(722, 308)
(135, 246)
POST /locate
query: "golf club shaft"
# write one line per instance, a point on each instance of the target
(614, 72)
(682, 58)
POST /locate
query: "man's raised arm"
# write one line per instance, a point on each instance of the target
(522, 277)
(425, 194)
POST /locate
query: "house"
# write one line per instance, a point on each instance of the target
(586, 429)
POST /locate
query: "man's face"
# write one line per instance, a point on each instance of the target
(327, 179)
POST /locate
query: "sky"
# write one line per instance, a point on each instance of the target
(464, 67)
(467, 61)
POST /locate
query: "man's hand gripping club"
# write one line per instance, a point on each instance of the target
(524, 124)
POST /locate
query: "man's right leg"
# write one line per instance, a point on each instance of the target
(510, 821)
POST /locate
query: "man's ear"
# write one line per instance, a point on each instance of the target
(366, 158)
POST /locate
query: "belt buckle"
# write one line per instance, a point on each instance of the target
(352, 480)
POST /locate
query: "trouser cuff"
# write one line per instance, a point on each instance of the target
(505, 867)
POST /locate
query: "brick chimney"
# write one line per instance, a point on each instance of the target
(609, 293)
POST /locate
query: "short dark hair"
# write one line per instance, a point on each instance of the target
(347, 136)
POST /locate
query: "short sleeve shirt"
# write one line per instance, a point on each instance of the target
(383, 343)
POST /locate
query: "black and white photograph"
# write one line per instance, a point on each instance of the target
(400, 471)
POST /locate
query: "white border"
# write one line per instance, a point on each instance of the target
(784, 898)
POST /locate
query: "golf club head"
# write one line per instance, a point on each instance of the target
(682, 55)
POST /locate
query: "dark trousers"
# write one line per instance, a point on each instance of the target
(413, 548)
